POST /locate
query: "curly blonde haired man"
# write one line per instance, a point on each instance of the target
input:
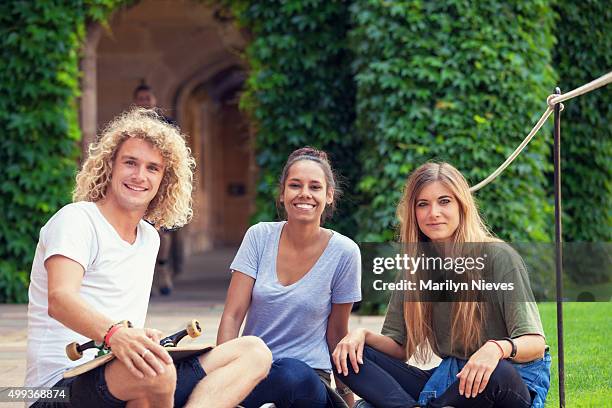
(94, 267)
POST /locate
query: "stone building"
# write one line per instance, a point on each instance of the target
(189, 53)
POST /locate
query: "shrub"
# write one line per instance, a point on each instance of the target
(299, 91)
(586, 136)
(460, 82)
(40, 43)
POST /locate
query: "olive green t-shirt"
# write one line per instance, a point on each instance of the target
(507, 314)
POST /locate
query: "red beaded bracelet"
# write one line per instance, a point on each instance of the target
(111, 330)
(110, 333)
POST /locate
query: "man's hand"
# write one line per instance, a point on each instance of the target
(140, 351)
(476, 373)
(352, 346)
(154, 334)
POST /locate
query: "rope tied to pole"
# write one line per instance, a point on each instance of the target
(551, 105)
(551, 101)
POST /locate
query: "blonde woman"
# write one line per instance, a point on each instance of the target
(484, 345)
(93, 268)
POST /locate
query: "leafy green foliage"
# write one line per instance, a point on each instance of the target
(580, 56)
(299, 92)
(40, 43)
(454, 81)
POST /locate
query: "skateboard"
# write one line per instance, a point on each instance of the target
(74, 351)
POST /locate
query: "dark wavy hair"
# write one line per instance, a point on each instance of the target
(321, 158)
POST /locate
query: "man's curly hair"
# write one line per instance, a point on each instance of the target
(171, 206)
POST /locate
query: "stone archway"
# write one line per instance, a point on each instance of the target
(188, 56)
(224, 196)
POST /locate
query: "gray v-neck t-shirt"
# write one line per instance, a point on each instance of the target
(292, 320)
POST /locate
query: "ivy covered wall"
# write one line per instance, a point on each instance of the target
(382, 86)
(454, 81)
(581, 55)
(39, 46)
(300, 92)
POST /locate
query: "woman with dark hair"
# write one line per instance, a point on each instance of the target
(492, 348)
(297, 281)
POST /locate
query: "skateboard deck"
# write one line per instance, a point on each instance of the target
(74, 350)
(177, 353)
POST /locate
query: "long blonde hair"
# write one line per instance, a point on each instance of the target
(467, 316)
(171, 206)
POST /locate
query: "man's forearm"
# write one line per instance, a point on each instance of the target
(73, 312)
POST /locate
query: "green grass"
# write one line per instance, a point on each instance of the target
(588, 346)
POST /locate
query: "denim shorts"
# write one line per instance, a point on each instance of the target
(90, 390)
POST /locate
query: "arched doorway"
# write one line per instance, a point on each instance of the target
(221, 143)
(187, 54)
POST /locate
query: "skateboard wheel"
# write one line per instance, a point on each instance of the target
(194, 329)
(73, 352)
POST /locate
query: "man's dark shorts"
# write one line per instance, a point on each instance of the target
(90, 390)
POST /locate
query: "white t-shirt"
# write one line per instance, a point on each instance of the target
(117, 283)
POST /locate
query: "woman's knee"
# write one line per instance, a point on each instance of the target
(296, 375)
(369, 353)
(506, 385)
(504, 374)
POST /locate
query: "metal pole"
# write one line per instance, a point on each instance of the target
(558, 246)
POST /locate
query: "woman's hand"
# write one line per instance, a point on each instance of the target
(352, 346)
(476, 373)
